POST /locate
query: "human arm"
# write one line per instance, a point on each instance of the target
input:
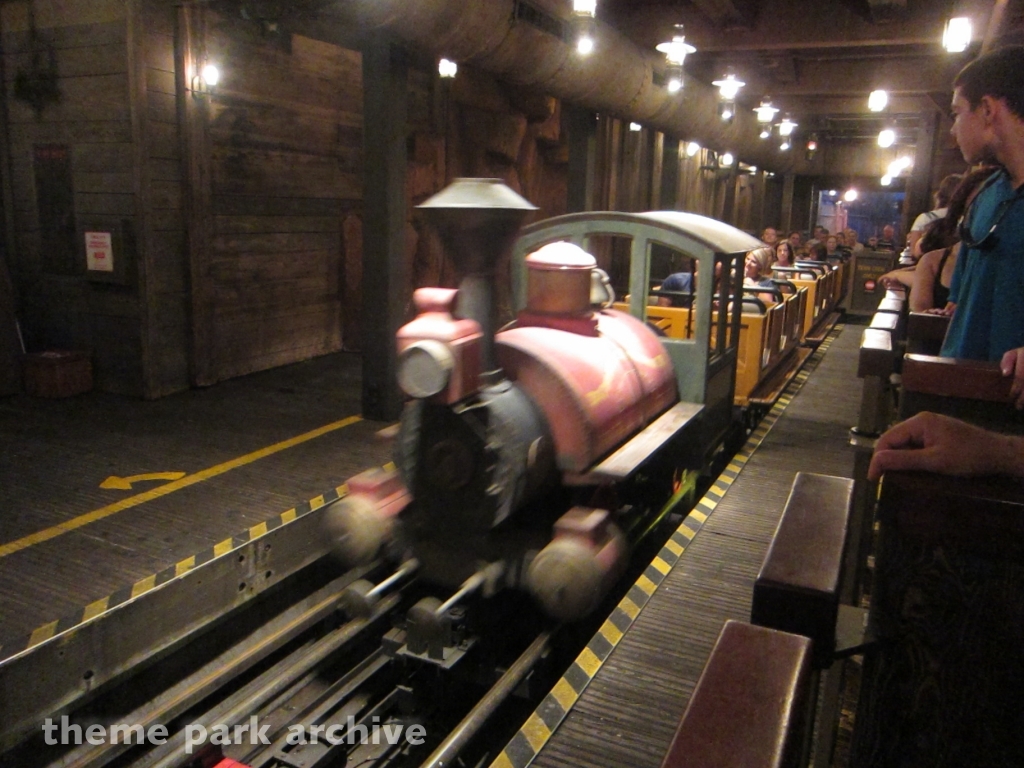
(898, 278)
(922, 286)
(935, 443)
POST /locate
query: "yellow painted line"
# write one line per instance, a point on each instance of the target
(184, 565)
(258, 530)
(288, 515)
(141, 498)
(222, 547)
(588, 662)
(44, 632)
(687, 531)
(697, 515)
(95, 609)
(629, 608)
(316, 502)
(564, 694)
(646, 585)
(611, 633)
(734, 467)
(674, 548)
(661, 565)
(125, 483)
(536, 732)
(144, 585)
(502, 761)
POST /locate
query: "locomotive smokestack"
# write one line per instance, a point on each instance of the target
(477, 220)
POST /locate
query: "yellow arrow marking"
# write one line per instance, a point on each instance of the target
(125, 483)
(176, 485)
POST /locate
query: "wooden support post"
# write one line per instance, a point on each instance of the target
(729, 204)
(582, 159)
(919, 196)
(669, 192)
(788, 187)
(385, 104)
(193, 116)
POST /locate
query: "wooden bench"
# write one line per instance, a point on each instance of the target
(750, 705)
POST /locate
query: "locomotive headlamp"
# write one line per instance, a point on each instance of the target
(424, 368)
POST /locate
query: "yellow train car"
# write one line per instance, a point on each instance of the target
(769, 348)
(825, 284)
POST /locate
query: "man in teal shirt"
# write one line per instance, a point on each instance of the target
(987, 293)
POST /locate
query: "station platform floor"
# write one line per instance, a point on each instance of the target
(100, 491)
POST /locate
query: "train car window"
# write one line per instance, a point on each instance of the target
(612, 255)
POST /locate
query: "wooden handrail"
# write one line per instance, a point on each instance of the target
(877, 357)
(948, 377)
(797, 589)
(749, 706)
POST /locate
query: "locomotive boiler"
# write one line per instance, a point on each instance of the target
(503, 455)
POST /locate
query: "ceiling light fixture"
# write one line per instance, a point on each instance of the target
(850, 195)
(957, 35)
(726, 160)
(886, 137)
(766, 131)
(447, 68)
(583, 13)
(692, 149)
(886, 180)
(785, 145)
(676, 51)
(877, 100)
(786, 126)
(765, 111)
(728, 87)
(635, 127)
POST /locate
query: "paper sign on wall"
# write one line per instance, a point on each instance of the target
(99, 252)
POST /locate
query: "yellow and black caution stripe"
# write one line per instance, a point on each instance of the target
(140, 587)
(555, 706)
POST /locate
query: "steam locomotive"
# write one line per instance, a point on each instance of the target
(532, 457)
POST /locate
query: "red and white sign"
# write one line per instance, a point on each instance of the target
(99, 253)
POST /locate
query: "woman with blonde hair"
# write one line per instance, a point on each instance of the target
(757, 269)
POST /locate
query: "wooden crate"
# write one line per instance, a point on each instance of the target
(57, 373)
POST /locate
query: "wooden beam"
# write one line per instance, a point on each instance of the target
(193, 116)
(385, 106)
(582, 124)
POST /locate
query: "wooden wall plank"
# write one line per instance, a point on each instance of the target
(275, 243)
(89, 61)
(106, 131)
(162, 107)
(295, 223)
(248, 171)
(83, 99)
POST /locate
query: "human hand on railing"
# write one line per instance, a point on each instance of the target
(892, 282)
(946, 311)
(935, 443)
(1012, 364)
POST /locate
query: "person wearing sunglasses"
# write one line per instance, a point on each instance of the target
(987, 291)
